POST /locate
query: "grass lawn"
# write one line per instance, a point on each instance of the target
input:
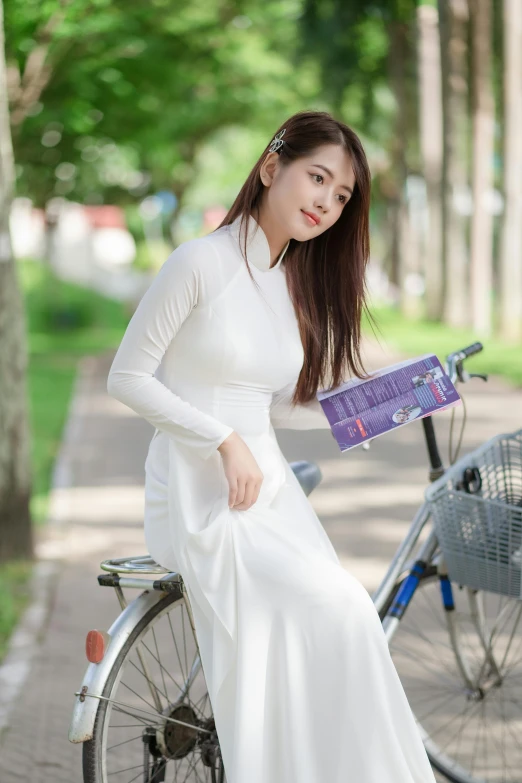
(65, 322)
(413, 338)
(14, 597)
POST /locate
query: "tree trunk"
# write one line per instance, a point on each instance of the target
(510, 304)
(481, 267)
(15, 481)
(453, 16)
(405, 261)
(430, 121)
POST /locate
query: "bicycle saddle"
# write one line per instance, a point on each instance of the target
(308, 474)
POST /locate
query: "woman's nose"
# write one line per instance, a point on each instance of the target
(324, 202)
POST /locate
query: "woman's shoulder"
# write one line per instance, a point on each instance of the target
(201, 253)
(207, 262)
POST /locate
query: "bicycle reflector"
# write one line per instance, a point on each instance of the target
(96, 644)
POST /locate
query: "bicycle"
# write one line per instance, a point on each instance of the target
(142, 715)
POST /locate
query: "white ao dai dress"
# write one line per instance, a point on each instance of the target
(297, 665)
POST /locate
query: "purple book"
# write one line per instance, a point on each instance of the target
(360, 410)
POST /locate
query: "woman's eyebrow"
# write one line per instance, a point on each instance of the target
(320, 166)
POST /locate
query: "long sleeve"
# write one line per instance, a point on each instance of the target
(306, 416)
(166, 304)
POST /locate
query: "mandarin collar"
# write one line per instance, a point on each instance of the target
(258, 249)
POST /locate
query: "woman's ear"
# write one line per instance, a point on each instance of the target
(268, 168)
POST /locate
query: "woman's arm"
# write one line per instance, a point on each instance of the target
(305, 416)
(175, 290)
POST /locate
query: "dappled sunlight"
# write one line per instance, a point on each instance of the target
(99, 504)
(351, 501)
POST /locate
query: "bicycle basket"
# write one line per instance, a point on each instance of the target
(477, 514)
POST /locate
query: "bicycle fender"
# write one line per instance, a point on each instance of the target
(86, 704)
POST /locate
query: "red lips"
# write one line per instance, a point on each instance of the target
(313, 216)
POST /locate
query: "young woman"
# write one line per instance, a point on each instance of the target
(233, 338)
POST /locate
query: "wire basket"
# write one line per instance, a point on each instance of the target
(477, 513)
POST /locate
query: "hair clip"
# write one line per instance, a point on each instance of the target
(277, 141)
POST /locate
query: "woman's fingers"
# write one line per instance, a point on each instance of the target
(252, 491)
(242, 472)
(240, 496)
(256, 486)
(247, 498)
(232, 492)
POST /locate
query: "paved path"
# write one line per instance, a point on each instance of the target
(365, 502)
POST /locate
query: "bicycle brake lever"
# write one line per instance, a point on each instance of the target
(464, 376)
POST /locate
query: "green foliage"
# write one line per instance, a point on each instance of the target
(54, 351)
(416, 337)
(55, 307)
(151, 256)
(14, 597)
(134, 222)
(50, 380)
(350, 42)
(134, 90)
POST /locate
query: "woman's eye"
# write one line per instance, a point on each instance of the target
(320, 177)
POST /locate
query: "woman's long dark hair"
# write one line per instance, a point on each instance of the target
(326, 274)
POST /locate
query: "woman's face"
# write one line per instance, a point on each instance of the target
(320, 185)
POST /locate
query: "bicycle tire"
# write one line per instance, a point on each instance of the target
(93, 748)
(442, 762)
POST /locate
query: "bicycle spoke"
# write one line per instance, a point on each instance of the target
(474, 754)
(477, 731)
(174, 640)
(124, 742)
(420, 634)
(519, 645)
(445, 700)
(190, 769)
(184, 641)
(197, 775)
(165, 671)
(127, 769)
(151, 683)
(118, 708)
(126, 725)
(168, 666)
(178, 686)
(161, 667)
(424, 664)
(138, 775)
(152, 706)
(468, 711)
(164, 718)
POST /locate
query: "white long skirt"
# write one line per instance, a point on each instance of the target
(297, 665)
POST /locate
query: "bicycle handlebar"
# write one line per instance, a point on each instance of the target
(454, 363)
(456, 372)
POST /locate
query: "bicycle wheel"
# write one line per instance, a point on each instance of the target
(461, 668)
(154, 722)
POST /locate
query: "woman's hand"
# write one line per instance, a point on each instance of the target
(242, 471)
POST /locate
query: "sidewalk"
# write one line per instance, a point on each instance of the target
(365, 502)
(98, 514)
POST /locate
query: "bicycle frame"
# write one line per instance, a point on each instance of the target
(400, 564)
